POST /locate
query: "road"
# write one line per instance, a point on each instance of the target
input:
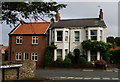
(77, 75)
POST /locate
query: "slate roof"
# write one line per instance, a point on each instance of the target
(86, 22)
(31, 28)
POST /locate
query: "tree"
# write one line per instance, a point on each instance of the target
(111, 40)
(13, 12)
(117, 41)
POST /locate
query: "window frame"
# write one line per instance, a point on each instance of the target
(93, 35)
(19, 39)
(59, 55)
(35, 39)
(34, 54)
(18, 56)
(75, 40)
(66, 36)
(59, 36)
(24, 57)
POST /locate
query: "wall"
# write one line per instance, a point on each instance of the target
(27, 46)
(27, 70)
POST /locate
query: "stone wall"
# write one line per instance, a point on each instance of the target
(26, 71)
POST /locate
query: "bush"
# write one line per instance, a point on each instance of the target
(59, 61)
(71, 57)
(82, 60)
(67, 62)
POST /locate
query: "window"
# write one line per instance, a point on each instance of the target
(93, 34)
(34, 56)
(66, 35)
(59, 35)
(101, 35)
(86, 35)
(35, 40)
(18, 56)
(53, 36)
(93, 55)
(26, 56)
(66, 52)
(18, 39)
(77, 36)
(59, 52)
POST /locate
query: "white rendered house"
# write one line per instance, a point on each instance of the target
(68, 35)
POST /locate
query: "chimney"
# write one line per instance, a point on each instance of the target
(57, 16)
(101, 14)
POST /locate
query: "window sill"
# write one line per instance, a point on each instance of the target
(18, 43)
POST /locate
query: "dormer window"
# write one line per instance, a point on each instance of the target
(34, 39)
(18, 39)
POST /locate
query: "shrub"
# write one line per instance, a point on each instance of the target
(67, 62)
(82, 60)
(71, 57)
(59, 61)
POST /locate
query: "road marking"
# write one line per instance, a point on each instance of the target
(70, 77)
(87, 70)
(62, 77)
(78, 77)
(106, 78)
(115, 78)
(109, 70)
(87, 78)
(96, 78)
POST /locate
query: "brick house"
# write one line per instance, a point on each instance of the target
(29, 41)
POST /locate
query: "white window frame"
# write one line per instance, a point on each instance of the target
(19, 39)
(93, 35)
(59, 55)
(33, 55)
(18, 54)
(66, 36)
(34, 39)
(75, 36)
(59, 36)
(101, 35)
(24, 57)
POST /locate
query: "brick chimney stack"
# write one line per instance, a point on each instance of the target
(101, 14)
(57, 16)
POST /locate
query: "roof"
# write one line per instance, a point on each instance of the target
(4, 47)
(86, 22)
(31, 28)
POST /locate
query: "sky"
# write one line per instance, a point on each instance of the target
(78, 10)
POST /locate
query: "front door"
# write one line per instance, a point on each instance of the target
(77, 54)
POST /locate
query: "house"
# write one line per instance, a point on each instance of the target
(4, 52)
(28, 41)
(68, 34)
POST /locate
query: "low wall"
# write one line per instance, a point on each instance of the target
(27, 70)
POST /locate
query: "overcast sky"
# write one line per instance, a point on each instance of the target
(78, 10)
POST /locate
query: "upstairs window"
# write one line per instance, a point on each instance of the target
(86, 35)
(77, 37)
(93, 34)
(66, 35)
(34, 39)
(101, 35)
(59, 35)
(18, 39)
(18, 56)
(34, 56)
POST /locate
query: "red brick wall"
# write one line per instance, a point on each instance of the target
(27, 46)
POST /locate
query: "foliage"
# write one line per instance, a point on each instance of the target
(71, 57)
(106, 56)
(12, 12)
(115, 56)
(49, 54)
(117, 41)
(96, 45)
(59, 61)
(110, 40)
(82, 60)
